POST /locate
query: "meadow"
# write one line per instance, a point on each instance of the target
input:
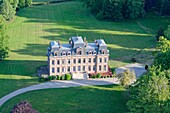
(34, 27)
(91, 99)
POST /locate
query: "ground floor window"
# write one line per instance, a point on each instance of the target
(68, 69)
(58, 70)
(84, 68)
(100, 68)
(105, 68)
(89, 67)
(74, 68)
(63, 69)
(79, 68)
(53, 70)
(94, 68)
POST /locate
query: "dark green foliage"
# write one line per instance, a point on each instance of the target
(58, 77)
(116, 10)
(150, 95)
(167, 32)
(62, 77)
(98, 75)
(160, 32)
(28, 2)
(67, 77)
(21, 3)
(165, 7)
(7, 10)
(4, 44)
(133, 9)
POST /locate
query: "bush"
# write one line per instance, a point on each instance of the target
(58, 77)
(50, 78)
(53, 77)
(98, 75)
(67, 77)
(62, 77)
(133, 60)
(41, 79)
(94, 76)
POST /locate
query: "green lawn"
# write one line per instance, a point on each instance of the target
(92, 99)
(34, 27)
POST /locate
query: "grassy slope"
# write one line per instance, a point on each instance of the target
(36, 26)
(93, 99)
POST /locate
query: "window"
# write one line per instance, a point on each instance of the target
(100, 60)
(68, 69)
(55, 54)
(53, 70)
(89, 67)
(84, 68)
(58, 61)
(58, 70)
(94, 60)
(69, 53)
(89, 52)
(100, 68)
(63, 61)
(74, 68)
(94, 52)
(89, 60)
(94, 68)
(79, 61)
(79, 52)
(103, 51)
(63, 53)
(79, 68)
(69, 61)
(52, 62)
(74, 61)
(105, 60)
(84, 60)
(63, 69)
(105, 68)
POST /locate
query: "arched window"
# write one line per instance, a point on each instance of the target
(63, 53)
(89, 52)
(94, 52)
(68, 53)
(103, 51)
(79, 51)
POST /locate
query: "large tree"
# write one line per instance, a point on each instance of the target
(150, 95)
(4, 44)
(7, 10)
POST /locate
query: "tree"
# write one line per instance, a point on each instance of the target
(150, 95)
(160, 32)
(4, 44)
(7, 10)
(126, 78)
(163, 44)
(167, 32)
(133, 9)
(21, 3)
(28, 2)
(165, 7)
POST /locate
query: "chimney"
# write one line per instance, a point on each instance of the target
(59, 42)
(69, 40)
(84, 39)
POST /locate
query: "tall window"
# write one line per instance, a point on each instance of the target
(58, 70)
(105, 60)
(84, 60)
(74, 61)
(100, 60)
(63, 69)
(79, 61)
(79, 68)
(104, 67)
(89, 60)
(100, 68)
(94, 68)
(84, 68)
(68, 69)
(53, 70)
(89, 67)
(74, 68)
(58, 61)
(55, 54)
(63, 61)
(52, 62)
(69, 61)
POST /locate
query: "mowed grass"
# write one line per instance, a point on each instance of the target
(34, 27)
(92, 99)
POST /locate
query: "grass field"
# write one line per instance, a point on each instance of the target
(93, 99)
(34, 27)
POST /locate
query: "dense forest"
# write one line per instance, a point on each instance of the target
(116, 10)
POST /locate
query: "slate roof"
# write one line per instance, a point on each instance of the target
(74, 44)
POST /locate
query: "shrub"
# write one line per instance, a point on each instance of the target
(62, 77)
(53, 77)
(50, 78)
(58, 77)
(98, 75)
(41, 79)
(94, 76)
(133, 59)
(67, 77)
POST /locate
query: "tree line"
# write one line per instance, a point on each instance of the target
(8, 8)
(116, 10)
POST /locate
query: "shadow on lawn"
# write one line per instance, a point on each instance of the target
(19, 67)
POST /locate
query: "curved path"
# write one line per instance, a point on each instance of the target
(59, 84)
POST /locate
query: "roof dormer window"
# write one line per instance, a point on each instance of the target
(103, 51)
(63, 54)
(89, 52)
(94, 52)
(79, 51)
(69, 53)
(55, 54)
